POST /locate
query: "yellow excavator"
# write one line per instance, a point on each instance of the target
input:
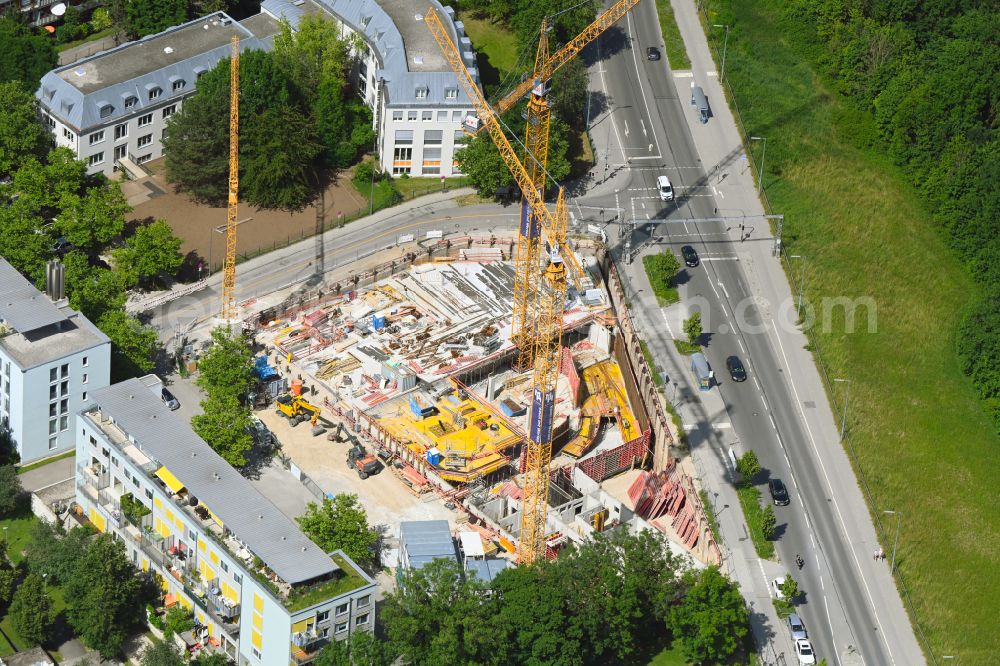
(298, 410)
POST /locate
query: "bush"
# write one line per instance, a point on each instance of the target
(661, 269)
(178, 620)
(364, 173)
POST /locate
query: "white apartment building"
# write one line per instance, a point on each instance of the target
(258, 589)
(111, 108)
(51, 359)
(37, 12)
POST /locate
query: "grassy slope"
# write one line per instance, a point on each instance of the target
(495, 45)
(922, 440)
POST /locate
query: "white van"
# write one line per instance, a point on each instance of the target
(665, 189)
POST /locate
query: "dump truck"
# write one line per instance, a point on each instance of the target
(364, 463)
(296, 409)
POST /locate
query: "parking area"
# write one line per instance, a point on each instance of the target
(385, 498)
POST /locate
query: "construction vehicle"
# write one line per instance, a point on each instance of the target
(297, 410)
(364, 463)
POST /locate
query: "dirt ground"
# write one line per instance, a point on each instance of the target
(384, 497)
(153, 198)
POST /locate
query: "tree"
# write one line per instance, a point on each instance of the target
(710, 621)
(11, 492)
(223, 425)
(92, 290)
(768, 522)
(25, 53)
(48, 188)
(8, 447)
(480, 160)
(21, 134)
(31, 611)
(790, 588)
(101, 19)
(162, 653)
(133, 346)
(8, 581)
(152, 250)
(360, 648)
(692, 328)
(178, 620)
(104, 597)
(72, 28)
(312, 56)
(225, 371)
(341, 523)
(53, 553)
(21, 244)
(281, 162)
(96, 218)
(146, 17)
(748, 466)
(214, 659)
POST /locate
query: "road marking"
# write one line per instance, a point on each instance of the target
(711, 73)
(773, 424)
(812, 538)
(625, 121)
(643, 127)
(840, 517)
(821, 585)
(683, 75)
(722, 286)
(722, 426)
(604, 84)
(642, 88)
(667, 323)
(720, 259)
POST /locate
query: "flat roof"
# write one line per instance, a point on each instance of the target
(422, 51)
(166, 438)
(22, 307)
(425, 541)
(155, 52)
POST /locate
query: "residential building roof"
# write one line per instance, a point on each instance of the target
(135, 406)
(410, 59)
(33, 329)
(426, 540)
(486, 570)
(93, 91)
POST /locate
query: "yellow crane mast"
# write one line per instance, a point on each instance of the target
(536, 143)
(547, 332)
(229, 267)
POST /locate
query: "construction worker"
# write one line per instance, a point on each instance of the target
(314, 418)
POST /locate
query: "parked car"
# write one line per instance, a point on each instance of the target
(797, 628)
(804, 651)
(778, 492)
(690, 256)
(736, 369)
(776, 584)
(652, 53)
(665, 189)
(169, 400)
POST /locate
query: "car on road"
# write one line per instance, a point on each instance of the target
(652, 53)
(169, 400)
(797, 628)
(804, 651)
(779, 493)
(664, 188)
(776, 588)
(736, 369)
(690, 256)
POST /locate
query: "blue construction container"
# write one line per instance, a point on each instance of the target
(433, 457)
(378, 322)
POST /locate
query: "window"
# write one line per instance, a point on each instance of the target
(114, 461)
(49, 121)
(85, 378)
(225, 567)
(64, 387)
(178, 84)
(442, 116)
(433, 138)
(154, 93)
(64, 370)
(53, 374)
(85, 361)
(63, 405)
(365, 600)
(238, 578)
(145, 140)
(121, 131)
(325, 633)
(323, 616)
(397, 115)
(411, 115)
(149, 495)
(129, 102)
(420, 93)
(402, 160)
(120, 153)
(135, 481)
(142, 159)
(84, 396)
(451, 93)
(96, 158)
(341, 627)
(104, 452)
(404, 137)
(63, 423)
(456, 116)
(341, 609)
(256, 652)
(362, 85)
(53, 392)
(53, 427)
(53, 442)
(428, 115)
(169, 110)
(96, 137)
(145, 120)
(52, 410)
(361, 619)
(69, 135)
(459, 136)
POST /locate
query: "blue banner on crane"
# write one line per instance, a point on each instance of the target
(543, 407)
(529, 223)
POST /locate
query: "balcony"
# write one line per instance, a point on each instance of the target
(306, 645)
(226, 609)
(227, 619)
(93, 476)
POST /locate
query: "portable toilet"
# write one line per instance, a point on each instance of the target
(703, 373)
(700, 103)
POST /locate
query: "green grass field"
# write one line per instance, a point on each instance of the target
(16, 529)
(922, 440)
(496, 48)
(676, 53)
(669, 656)
(753, 512)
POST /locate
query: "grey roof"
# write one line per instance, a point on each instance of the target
(77, 93)
(425, 541)
(400, 40)
(22, 307)
(167, 438)
(486, 570)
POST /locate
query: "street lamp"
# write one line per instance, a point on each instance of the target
(802, 281)
(847, 400)
(763, 155)
(895, 542)
(725, 47)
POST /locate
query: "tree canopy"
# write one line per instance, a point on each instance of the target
(225, 370)
(11, 492)
(153, 249)
(21, 135)
(710, 621)
(26, 54)
(31, 610)
(341, 523)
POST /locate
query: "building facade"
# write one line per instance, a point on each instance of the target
(111, 108)
(259, 590)
(51, 359)
(36, 12)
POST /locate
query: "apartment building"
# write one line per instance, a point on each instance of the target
(260, 590)
(111, 108)
(418, 106)
(51, 359)
(36, 12)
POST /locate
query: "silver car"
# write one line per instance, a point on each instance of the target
(797, 628)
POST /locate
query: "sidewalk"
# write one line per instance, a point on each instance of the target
(771, 289)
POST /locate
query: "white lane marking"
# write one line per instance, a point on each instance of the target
(784, 454)
(722, 426)
(773, 424)
(711, 73)
(666, 322)
(604, 84)
(642, 88)
(720, 281)
(625, 120)
(722, 195)
(812, 538)
(643, 125)
(840, 516)
(821, 585)
(684, 75)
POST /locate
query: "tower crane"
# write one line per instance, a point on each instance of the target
(536, 150)
(228, 312)
(546, 337)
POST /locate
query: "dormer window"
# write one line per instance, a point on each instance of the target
(421, 93)
(154, 91)
(130, 101)
(451, 93)
(198, 71)
(105, 109)
(176, 83)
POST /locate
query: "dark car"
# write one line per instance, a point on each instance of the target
(652, 53)
(169, 400)
(690, 256)
(778, 492)
(736, 369)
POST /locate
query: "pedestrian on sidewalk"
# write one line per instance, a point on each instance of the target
(875, 556)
